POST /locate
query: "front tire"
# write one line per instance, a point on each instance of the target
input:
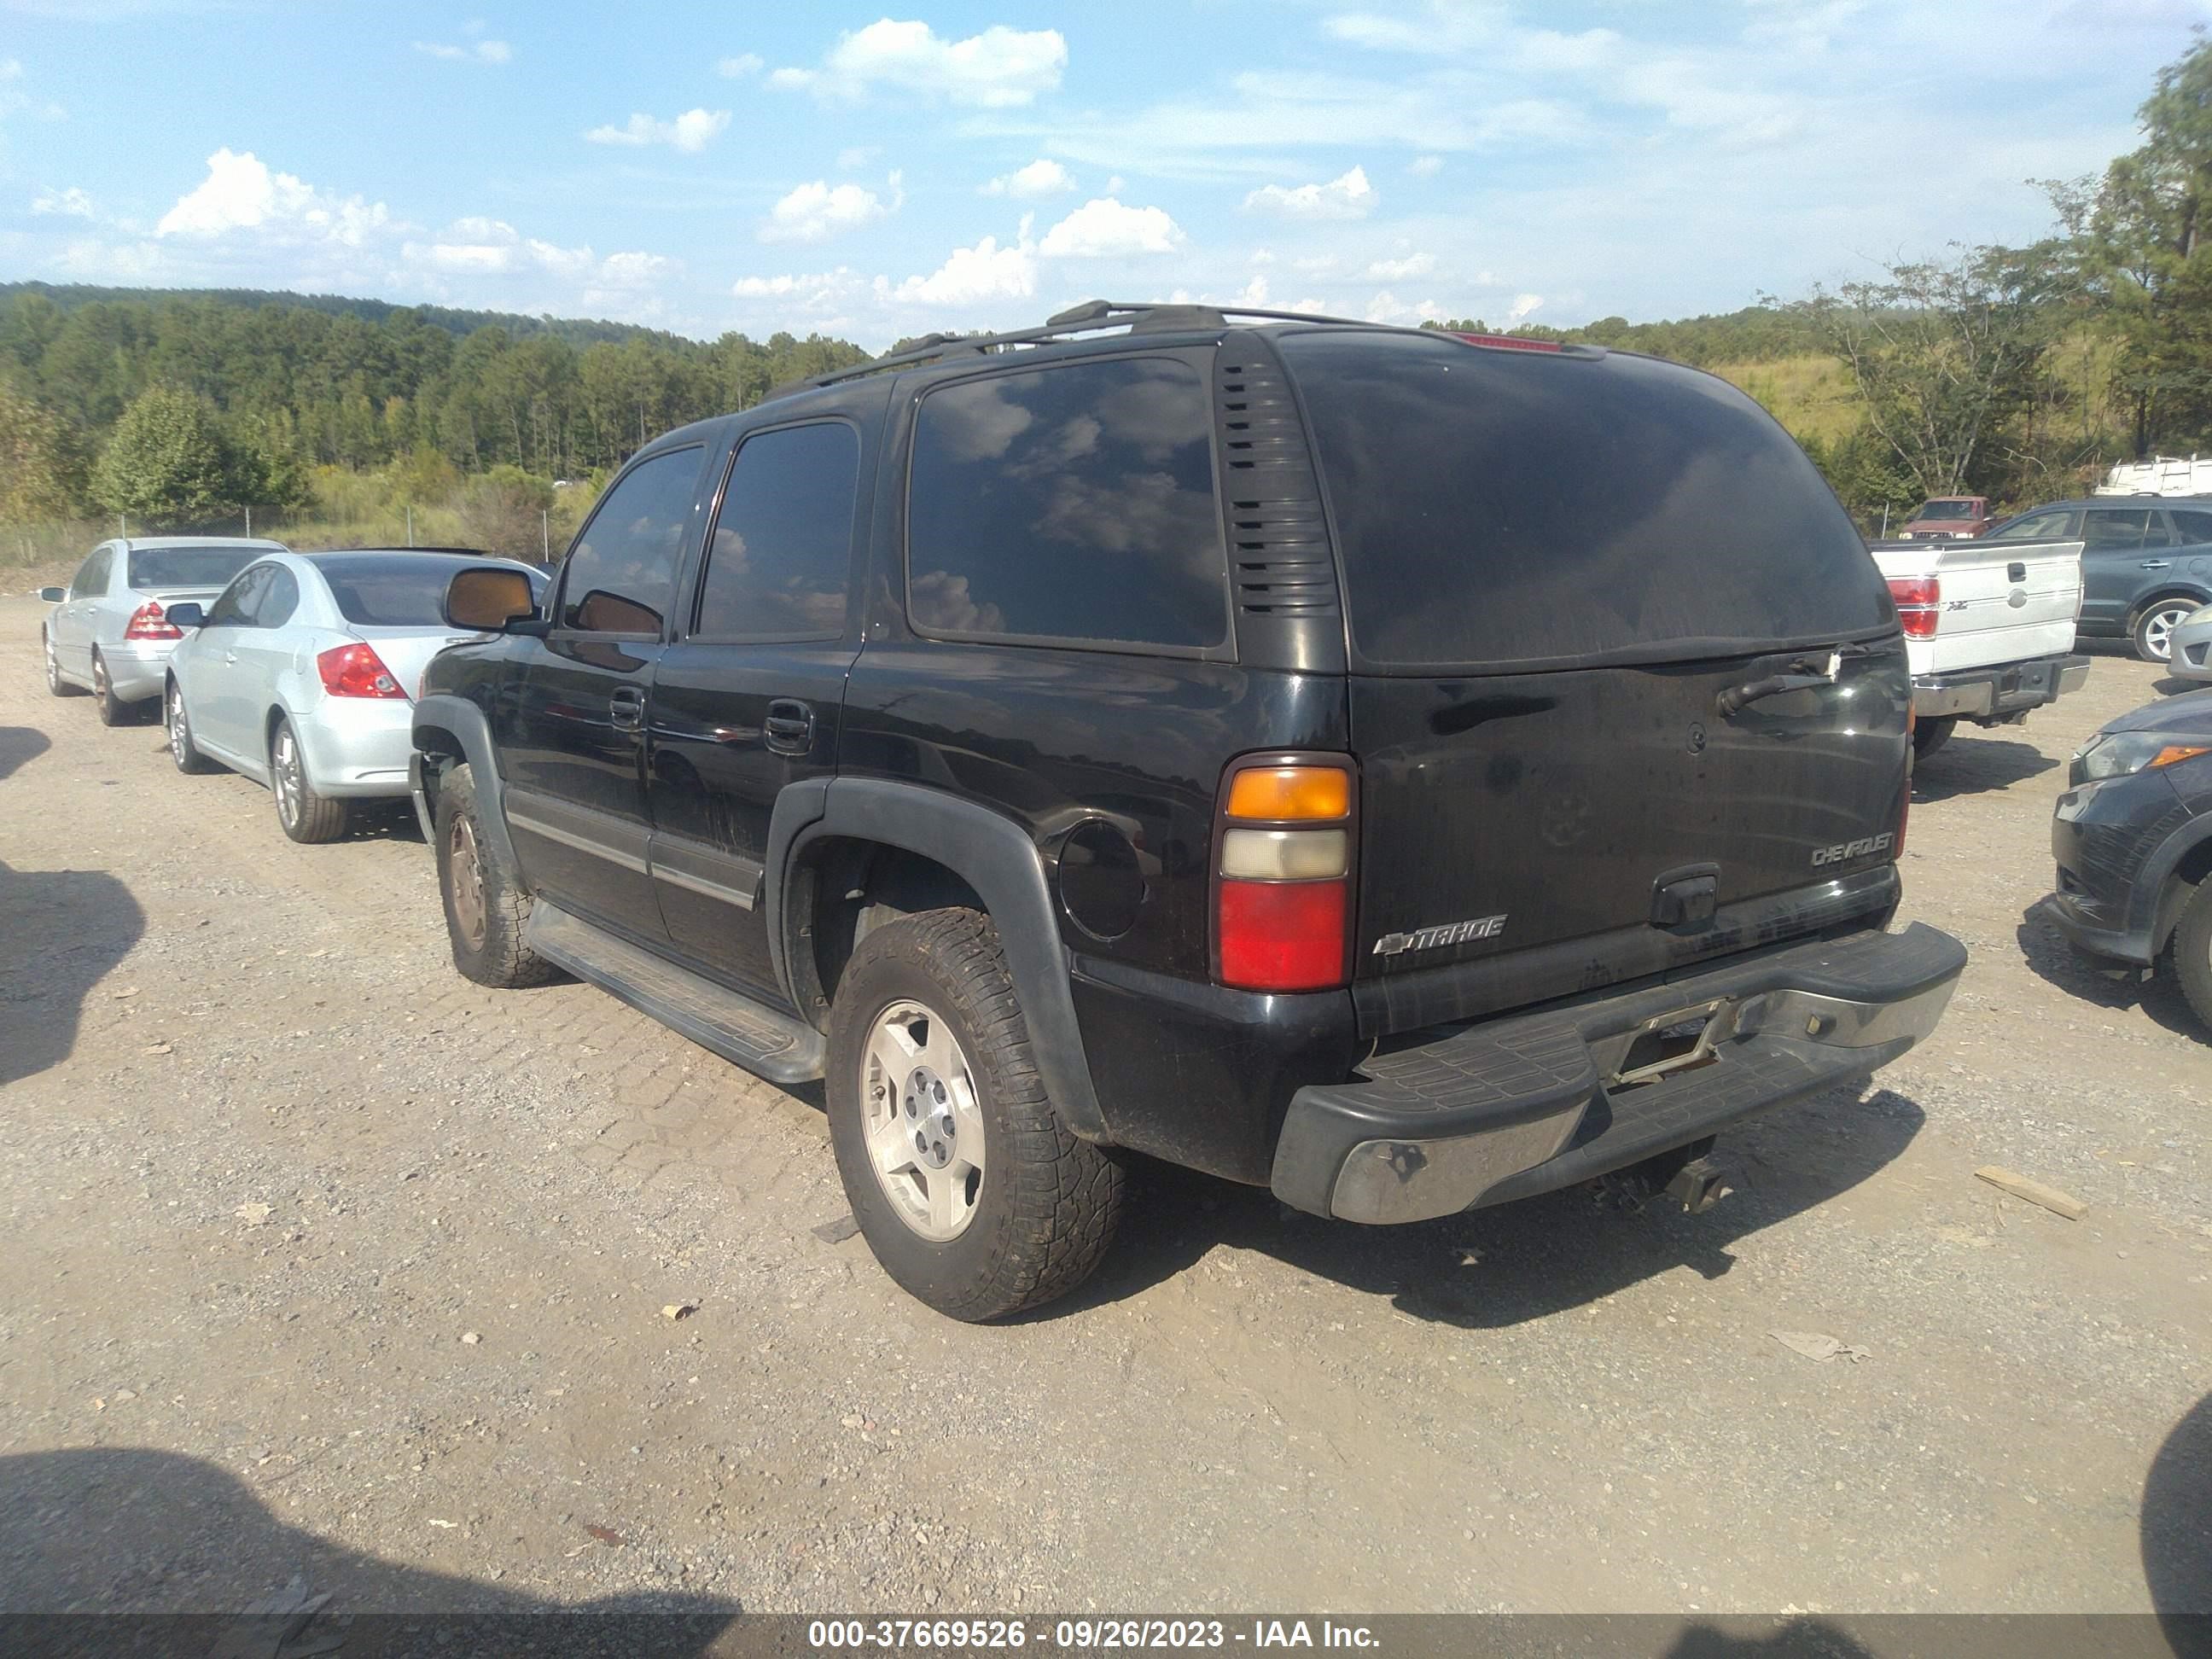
(182, 750)
(2153, 634)
(972, 1193)
(2188, 956)
(305, 814)
(486, 906)
(56, 685)
(1930, 735)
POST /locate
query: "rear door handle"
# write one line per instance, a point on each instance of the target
(2155, 564)
(626, 708)
(789, 727)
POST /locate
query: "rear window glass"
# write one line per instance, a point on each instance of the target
(1501, 509)
(189, 566)
(397, 590)
(1070, 503)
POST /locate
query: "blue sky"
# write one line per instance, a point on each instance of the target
(873, 174)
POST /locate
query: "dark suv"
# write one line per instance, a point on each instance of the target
(2146, 562)
(1406, 771)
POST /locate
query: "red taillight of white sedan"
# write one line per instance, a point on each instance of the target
(150, 622)
(355, 671)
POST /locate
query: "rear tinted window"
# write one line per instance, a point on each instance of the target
(1501, 508)
(1072, 503)
(189, 566)
(396, 589)
(2057, 526)
(782, 547)
(2194, 526)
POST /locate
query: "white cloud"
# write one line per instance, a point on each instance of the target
(1348, 195)
(738, 67)
(1524, 305)
(817, 211)
(241, 193)
(1103, 229)
(857, 155)
(1039, 177)
(690, 132)
(1397, 271)
(1426, 167)
(820, 291)
(71, 204)
(997, 69)
(482, 52)
(971, 275)
(478, 246)
(1387, 307)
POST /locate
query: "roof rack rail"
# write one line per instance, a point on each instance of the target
(1141, 317)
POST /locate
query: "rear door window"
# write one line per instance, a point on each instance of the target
(620, 577)
(1069, 504)
(782, 549)
(2056, 526)
(1505, 510)
(2116, 530)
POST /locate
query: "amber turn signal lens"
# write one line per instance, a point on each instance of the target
(1290, 791)
(2176, 752)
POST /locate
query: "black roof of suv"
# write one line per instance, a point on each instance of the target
(1403, 771)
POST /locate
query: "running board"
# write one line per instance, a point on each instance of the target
(764, 1043)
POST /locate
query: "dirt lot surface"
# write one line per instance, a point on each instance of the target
(322, 1261)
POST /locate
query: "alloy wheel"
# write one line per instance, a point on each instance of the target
(2158, 630)
(464, 881)
(923, 1128)
(180, 743)
(286, 771)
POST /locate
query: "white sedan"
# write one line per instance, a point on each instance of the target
(302, 675)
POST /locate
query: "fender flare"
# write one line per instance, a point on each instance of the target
(2156, 898)
(473, 732)
(991, 853)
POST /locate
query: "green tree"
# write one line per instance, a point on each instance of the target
(168, 460)
(42, 462)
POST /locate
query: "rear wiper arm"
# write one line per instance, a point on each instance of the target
(1802, 674)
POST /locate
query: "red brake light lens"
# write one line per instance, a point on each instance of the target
(1282, 935)
(1917, 599)
(1509, 341)
(148, 622)
(355, 671)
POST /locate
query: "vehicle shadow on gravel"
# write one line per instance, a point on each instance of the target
(2051, 959)
(67, 929)
(1967, 765)
(1488, 1269)
(20, 744)
(2177, 1530)
(113, 1530)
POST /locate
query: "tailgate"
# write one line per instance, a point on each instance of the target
(1563, 813)
(2000, 602)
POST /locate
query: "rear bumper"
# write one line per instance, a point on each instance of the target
(359, 746)
(137, 669)
(1512, 1108)
(1994, 692)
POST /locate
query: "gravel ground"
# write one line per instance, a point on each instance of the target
(324, 1262)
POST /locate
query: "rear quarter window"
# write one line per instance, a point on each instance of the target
(1073, 504)
(1507, 510)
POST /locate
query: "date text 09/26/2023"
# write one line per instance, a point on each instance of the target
(1090, 1634)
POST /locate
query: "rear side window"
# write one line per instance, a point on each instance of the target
(2196, 528)
(621, 575)
(782, 548)
(185, 567)
(1509, 509)
(2057, 526)
(1070, 504)
(2119, 529)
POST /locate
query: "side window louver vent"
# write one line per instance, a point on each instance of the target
(1277, 538)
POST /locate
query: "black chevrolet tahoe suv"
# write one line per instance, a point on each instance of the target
(1405, 770)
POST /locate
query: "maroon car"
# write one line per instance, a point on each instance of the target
(1955, 518)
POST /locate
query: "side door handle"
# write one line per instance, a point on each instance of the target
(789, 727)
(2156, 564)
(626, 708)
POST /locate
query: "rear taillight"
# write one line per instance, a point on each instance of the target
(1917, 599)
(1283, 861)
(355, 671)
(1509, 341)
(148, 622)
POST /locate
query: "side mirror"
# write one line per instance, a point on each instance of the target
(53, 595)
(186, 614)
(485, 600)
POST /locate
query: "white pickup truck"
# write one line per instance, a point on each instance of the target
(1989, 629)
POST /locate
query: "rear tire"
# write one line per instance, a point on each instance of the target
(1930, 735)
(111, 709)
(56, 685)
(930, 1079)
(2153, 632)
(306, 815)
(486, 906)
(2188, 954)
(182, 750)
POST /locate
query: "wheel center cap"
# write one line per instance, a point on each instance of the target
(927, 1106)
